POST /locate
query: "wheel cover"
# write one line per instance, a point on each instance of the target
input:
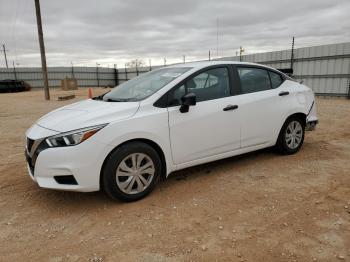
(135, 173)
(294, 134)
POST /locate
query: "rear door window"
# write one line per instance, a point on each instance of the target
(253, 79)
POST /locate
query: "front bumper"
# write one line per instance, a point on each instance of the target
(82, 163)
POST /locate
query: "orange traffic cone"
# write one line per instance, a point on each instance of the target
(90, 92)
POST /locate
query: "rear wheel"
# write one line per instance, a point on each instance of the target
(291, 136)
(131, 171)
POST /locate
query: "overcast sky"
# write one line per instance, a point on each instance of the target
(115, 31)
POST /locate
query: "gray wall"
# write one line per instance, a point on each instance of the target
(86, 76)
(326, 69)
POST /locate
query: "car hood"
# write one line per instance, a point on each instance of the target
(87, 113)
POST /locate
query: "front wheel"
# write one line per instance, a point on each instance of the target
(131, 171)
(291, 136)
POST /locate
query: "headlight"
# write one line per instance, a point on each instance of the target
(73, 138)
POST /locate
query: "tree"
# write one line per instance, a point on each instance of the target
(135, 63)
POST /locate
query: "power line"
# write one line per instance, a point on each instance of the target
(13, 28)
(217, 37)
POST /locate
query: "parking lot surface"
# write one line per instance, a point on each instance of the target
(257, 207)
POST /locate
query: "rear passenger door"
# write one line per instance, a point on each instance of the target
(261, 106)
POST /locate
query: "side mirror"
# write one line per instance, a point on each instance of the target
(187, 101)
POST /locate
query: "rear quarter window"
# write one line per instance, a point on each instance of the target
(276, 79)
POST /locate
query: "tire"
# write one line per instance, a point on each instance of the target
(291, 136)
(131, 171)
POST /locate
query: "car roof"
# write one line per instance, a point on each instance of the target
(202, 64)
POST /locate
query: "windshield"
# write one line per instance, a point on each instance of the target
(144, 85)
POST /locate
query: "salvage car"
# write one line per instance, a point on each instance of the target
(10, 85)
(126, 140)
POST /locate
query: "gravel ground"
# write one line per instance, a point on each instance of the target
(256, 207)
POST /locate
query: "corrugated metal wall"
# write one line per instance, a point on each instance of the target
(86, 76)
(326, 69)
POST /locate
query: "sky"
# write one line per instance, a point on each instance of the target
(107, 32)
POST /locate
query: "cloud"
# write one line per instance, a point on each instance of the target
(114, 31)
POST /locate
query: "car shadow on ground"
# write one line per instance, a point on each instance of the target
(98, 199)
(210, 168)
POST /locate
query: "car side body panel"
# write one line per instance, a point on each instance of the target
(150, 123)
(204, 131)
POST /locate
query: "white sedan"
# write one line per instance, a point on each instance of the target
(125, 141)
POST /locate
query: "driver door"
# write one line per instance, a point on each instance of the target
(212, 126)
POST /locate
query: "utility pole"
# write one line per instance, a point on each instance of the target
(136, 67)
(164, 61)
(209, 55)
(116, 75)
(97, 76)
(241, 50)
(71, 62)
(4, 49)
(126, 72)
(292, 55)
(14, 70)
(184, 58)
(42, 49)
(150, 64)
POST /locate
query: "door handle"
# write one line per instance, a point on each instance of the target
(230, 107)
(284, 93)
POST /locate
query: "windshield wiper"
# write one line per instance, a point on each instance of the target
(116, 100)
(100, 97)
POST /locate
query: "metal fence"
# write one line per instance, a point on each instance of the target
(86, 76)
(326, 69)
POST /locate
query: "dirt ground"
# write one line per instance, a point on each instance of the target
(256, 207)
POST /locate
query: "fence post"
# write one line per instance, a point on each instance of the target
(14, 70)
(73, 76)
(116, 77)
(126, 73)
(97, 76)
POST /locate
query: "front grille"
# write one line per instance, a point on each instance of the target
(39, 145)
(30, 143)
(29, 161)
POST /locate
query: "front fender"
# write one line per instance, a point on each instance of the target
(153, 127)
